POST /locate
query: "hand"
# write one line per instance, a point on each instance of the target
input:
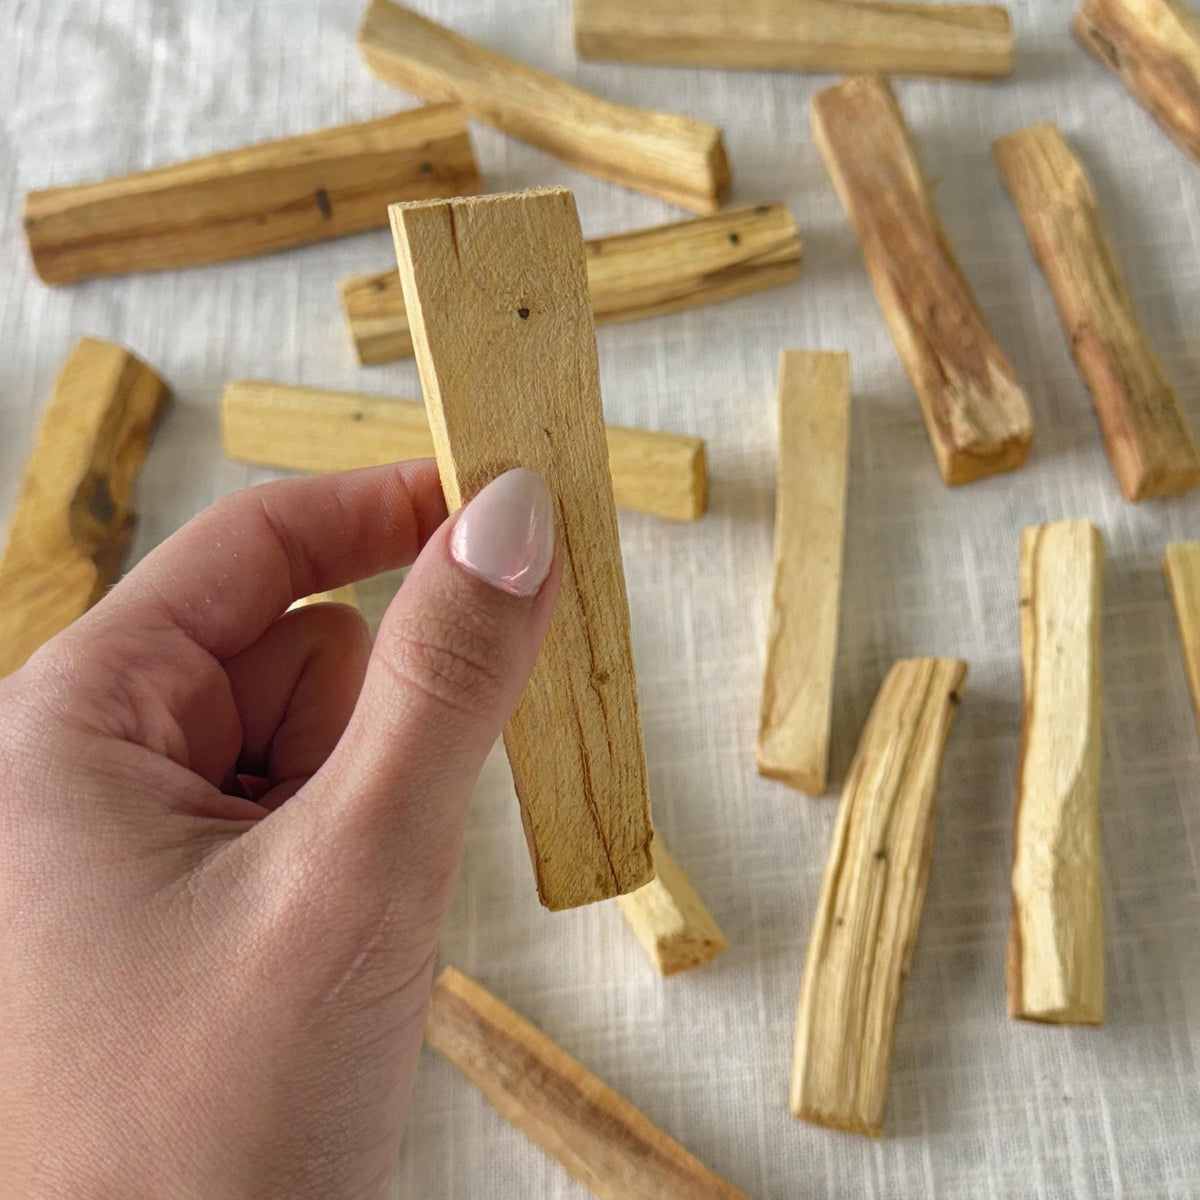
(206, 995)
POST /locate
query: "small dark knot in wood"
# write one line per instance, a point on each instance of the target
(734, 239)
(322, 198)
(523, 313)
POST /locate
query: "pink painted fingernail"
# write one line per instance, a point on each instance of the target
(505, 536)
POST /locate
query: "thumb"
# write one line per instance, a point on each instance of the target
(452, 657)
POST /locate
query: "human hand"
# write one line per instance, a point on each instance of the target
(205, 995)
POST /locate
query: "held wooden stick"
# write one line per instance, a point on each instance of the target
(957, 40)
(1150, 444)
(1056, 937)
(630, 275)
(1182, 567)
(505, 276)
(602, 1140)
(311, 429)
(1153, 48)
(669, 919)
(250, 201)
(343, 595)
(672, 157)
(74, 515)
(974, 409)
(810, 509)
(866, 924)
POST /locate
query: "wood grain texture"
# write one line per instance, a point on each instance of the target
(975, 411)
(810, 510)
(870, 907)
(672, 157)
(497, 291)
(1182, 566)
(1056, 936)
(956, 40)
(312, 429)
(250, 201)
(1150, 444)
(669, 919)
(74, 514)
(343, 595)
(646, 273)
(601, 1139)
(1153, 47)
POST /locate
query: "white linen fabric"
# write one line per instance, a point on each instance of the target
(979, 1106)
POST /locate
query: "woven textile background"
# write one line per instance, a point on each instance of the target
(979, 1106)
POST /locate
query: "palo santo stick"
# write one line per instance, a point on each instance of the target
(311, 429)
(1150, 444)
(866, 924)
(672, 157)
(74, 516)
(958, 40)
(669, 919)
(810, 509)
(1153, 47)
(975, 411)
(1056, 938)
(1182, 567)
(505, 276)
(630, 275)
(250, 201)
(343, 595)
(603, 1141)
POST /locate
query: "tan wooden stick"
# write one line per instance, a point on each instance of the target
(343, 595)
(1150, 444)
(601, 1139)
(505, 276)
(974, 409)
(810, 509)
(669, 919)
(1153, 47)
(673, 157)
(956, 40)
(311, 429)
(630, 275)
(866, 924)
(74, 516)
(250, 201)
(1056, 938)
(1182, 567)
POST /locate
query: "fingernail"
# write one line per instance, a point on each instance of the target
(505, 535)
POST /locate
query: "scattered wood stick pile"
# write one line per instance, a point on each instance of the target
(575, 744)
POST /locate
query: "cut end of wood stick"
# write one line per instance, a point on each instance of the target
(1055, 970)
(313, 429)
(975, 411)
(672, 157)
(347, 595)
(670, 920)
(1150, 444)
(810, 503)
(254, 200)
(644, 273)
(867, 918)
(971, 41)
(74, 515)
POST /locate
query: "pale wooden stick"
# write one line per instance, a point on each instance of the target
(955, 40)
(672, 157)
(1182, 567)
(343, 595)
(250, 201)
(810, 509)
(600, 1138)
(974, 409)
(1150, 444)
(645, 273)
(669, 919)
(528, 394)
(866, 924)
(1056, 938)
(1153, 47)
(311, 429)
(74, 516)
